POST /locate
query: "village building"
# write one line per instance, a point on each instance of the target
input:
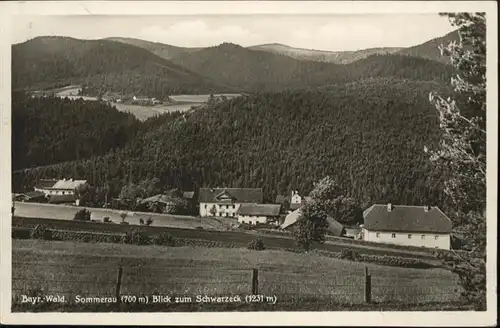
(259, 214)
(169, 201)
(225, 202)
(292, 202)
(58, 187)
(31, 196)
(423, 226)
(334, 227)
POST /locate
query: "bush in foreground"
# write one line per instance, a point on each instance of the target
(82, 215)
(256, 244)
(164, 239)
(136, 237)
(349, 254)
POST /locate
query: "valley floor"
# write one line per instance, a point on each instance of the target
(290, 280)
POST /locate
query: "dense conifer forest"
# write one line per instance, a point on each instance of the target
(53, 130)
(369, 135)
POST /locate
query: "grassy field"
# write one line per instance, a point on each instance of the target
(237, 238)
(184, 103)
(69, 268)
(144, 112)
(63, 212)
(200, 98)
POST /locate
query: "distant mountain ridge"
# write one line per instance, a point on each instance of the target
(430, 49)
(427, 50)
(133, 66)
(162, 50)
(254, 70)
(337, 57)
(102, 65)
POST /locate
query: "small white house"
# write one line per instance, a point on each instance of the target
(225, 202)
(259, 213)
(422, 226)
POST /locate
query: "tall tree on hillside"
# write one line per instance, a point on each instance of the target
(335, 202)
(462, 151)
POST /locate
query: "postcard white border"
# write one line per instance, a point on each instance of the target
(9, 9)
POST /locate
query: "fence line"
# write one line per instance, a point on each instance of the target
(253, 284)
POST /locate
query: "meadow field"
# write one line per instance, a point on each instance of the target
(67, 212)
(182, 102)
(293, 280)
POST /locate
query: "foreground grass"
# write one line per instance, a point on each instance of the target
(69, 268)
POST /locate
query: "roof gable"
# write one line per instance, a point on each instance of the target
(46, 183)
(406, 219)
(259, 209)
(239, 195)
(334, 227)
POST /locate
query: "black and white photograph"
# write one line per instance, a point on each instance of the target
(328, 161)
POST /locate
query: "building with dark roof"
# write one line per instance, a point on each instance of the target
(334, 227)
(290, 203)
(423, 226)
(259, 213)
(225, 202)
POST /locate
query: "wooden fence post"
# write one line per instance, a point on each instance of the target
(118, 285)
(255, 282)
(368, 286)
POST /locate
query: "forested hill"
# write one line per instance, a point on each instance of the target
(165, 51)
(369, 135)
(430, 49)
(252, 70)
(54, 130)
(102, 65)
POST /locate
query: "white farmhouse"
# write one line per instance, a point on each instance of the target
(259, 213)
(59, 187)
(423, 226)
(59, 191)
(225, 202)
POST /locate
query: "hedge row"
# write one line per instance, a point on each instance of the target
(135, 237)
(386, 260)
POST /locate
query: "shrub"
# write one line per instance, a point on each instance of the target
(85, 238)
(199, 228)
(256, 244)
(21, 233)
(82, 215)
(165, 239)
(395, 261)
(149, 221)
(39, 232)
(141, 221)
(106, 219)
(349, 254)
(136, 237)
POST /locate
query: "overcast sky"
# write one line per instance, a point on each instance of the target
(322, 32)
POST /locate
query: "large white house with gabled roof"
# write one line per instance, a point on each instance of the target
(423, 226)
(225, 202)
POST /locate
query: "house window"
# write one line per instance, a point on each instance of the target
(234, 206)
(220, 214)
(227, 206)
(436, 237)
(393, 235)
(422, 237)
(205, 205)
(227, 214)
(409, 236)
(377, 234)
